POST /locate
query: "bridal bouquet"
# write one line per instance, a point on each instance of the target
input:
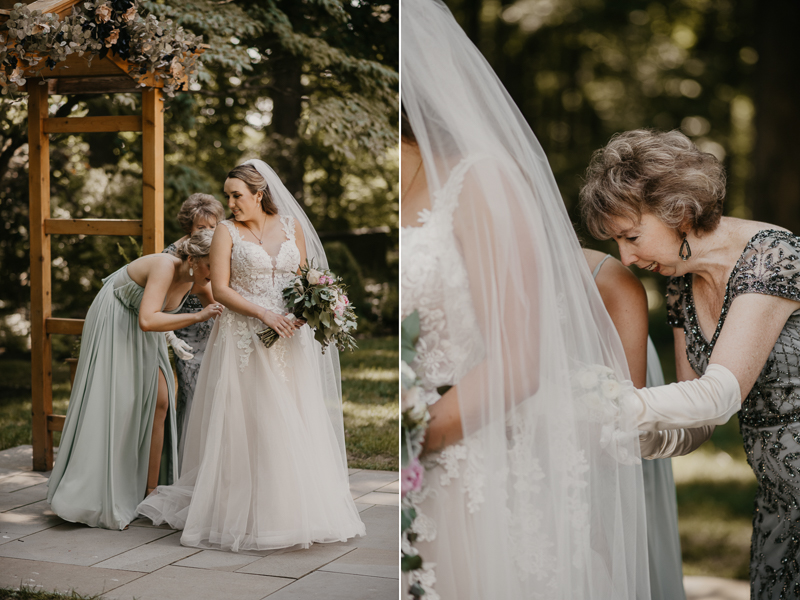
(319, 297)
(415, 419)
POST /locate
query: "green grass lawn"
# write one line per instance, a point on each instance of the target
(371, 406)
(369, 389)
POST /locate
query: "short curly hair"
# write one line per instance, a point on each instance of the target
(655, 172)
(199, 205)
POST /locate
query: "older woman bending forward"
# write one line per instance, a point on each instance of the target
(733, 300)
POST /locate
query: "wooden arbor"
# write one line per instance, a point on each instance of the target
(73, 76)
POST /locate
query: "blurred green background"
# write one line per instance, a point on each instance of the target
(725, 72)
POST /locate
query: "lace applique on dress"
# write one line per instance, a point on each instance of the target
(225, 324)
(260, 279)
(533, 549)
(245, 344)
(448, 460)
(279, 350)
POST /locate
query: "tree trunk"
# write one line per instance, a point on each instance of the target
(472, 26)
(775, 197)
(286, 111)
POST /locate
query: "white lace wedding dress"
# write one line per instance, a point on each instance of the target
(262, 467)
(434, 275)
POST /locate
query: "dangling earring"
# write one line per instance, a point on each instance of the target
(685, 251)
(191, 271)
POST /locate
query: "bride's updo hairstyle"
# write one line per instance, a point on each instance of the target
(196, 246)
(255, 183)
(660, 173)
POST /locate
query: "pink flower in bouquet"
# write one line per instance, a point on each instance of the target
(325, 280)
(411, 477)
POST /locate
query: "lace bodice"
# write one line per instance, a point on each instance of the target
(259, 277)
(434, 283)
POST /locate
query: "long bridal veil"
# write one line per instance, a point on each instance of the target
(560, 510)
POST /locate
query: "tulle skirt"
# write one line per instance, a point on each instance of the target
(262, 467)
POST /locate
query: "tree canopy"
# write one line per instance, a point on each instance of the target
(582, 70)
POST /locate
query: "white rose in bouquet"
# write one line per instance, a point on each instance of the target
(410, 398)
(313, 276)
(610, 389)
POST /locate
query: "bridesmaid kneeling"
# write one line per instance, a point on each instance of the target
(112, 451)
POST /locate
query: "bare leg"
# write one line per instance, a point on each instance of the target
(157, 439)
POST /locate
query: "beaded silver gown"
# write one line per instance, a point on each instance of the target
(197, 337)
(770, 416)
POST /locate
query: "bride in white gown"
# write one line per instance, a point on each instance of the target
(532, 485)
(264, 463)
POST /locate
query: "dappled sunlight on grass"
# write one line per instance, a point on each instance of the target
(370, 402)
(710, 464)
(370, 375)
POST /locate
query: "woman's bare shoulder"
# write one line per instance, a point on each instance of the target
(617, 283)
(143, 267)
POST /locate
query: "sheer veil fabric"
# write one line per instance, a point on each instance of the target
(329, 368)
(560, 514)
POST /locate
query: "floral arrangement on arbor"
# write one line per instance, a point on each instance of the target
(32, 41)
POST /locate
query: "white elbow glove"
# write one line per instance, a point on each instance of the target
(673, 442)
(710, 400)
(181, 348)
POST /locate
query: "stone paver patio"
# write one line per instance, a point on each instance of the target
(715, 588)
(40, 551)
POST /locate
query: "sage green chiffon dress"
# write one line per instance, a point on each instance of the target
(100, 474)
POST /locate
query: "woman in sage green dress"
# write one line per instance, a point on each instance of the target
(122, 405)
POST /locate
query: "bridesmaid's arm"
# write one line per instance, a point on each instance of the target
(220, 262)
(626, 302)
(159, 278)
(683, 369)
